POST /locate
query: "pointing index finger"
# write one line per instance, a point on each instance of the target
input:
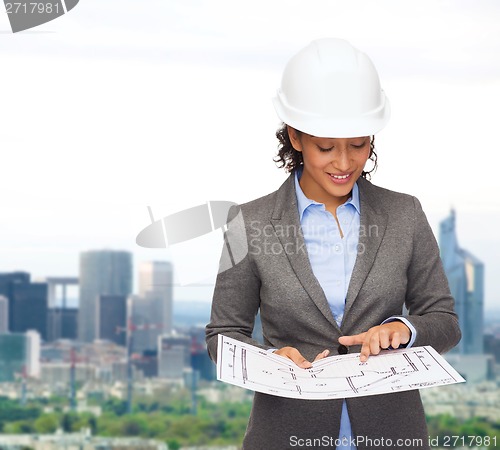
(352, 340)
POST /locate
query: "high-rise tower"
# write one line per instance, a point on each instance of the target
(156, 278)
(111, 318)
(466, 278)
(153, 305)
(4, 314)
(27, 302)
(102, 272)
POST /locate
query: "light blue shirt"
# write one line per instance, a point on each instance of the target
(332, 257)
(332, 260)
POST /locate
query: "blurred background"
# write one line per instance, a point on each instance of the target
(122, 105)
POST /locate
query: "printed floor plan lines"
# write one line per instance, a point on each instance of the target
(339, 376)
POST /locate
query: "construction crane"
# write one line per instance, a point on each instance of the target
(24, 389)
(72, 380)
(130, 329)
(73, 359)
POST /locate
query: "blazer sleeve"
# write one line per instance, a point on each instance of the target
(236, 297)
(428, 297)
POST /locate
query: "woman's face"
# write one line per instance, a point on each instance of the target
(331, 165)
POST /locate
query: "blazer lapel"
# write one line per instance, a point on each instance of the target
(286, 223)
(372, 229)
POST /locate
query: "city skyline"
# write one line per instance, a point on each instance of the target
(202, 291)
(160, 96)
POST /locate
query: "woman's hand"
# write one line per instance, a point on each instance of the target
(380, 337)
(293, 354)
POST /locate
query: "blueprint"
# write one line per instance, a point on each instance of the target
(339, 376)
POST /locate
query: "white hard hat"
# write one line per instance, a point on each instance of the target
(331, 89)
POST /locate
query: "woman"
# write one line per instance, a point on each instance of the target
(332, 260)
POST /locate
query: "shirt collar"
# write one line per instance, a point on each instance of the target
(303, 202)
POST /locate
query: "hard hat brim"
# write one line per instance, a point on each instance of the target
(334, 127)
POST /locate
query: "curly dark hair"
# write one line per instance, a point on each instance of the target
(291, 159)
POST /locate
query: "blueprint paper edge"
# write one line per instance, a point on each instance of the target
(324, 395)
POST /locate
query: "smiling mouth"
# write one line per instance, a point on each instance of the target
(340, 177)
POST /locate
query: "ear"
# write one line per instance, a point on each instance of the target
(294, 136)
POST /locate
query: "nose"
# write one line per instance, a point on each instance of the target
(341, 161)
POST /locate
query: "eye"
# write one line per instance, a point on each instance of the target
(362, 145)
(321, 149)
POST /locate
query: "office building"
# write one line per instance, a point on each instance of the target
(111, 318)
(7, 280)
(102, 272)
(147, 364)
(145, 317)
(27, 303)
(156, 282)
(62, 320)
(29, 308)
(201, 363)
(12, 356)
(465, 275)
(62, 323)
(174, 355)
(152, 309)
(33, 350)
(59, 373)
(4, 314)
(19, 355)
(58, 290)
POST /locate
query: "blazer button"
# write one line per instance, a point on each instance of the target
(342, 349)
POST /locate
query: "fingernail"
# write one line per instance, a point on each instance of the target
(326, 352)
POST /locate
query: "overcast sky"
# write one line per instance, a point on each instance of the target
(122, 104)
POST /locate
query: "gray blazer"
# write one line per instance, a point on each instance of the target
(397, 264)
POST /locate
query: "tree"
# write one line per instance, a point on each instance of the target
(46, 424)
